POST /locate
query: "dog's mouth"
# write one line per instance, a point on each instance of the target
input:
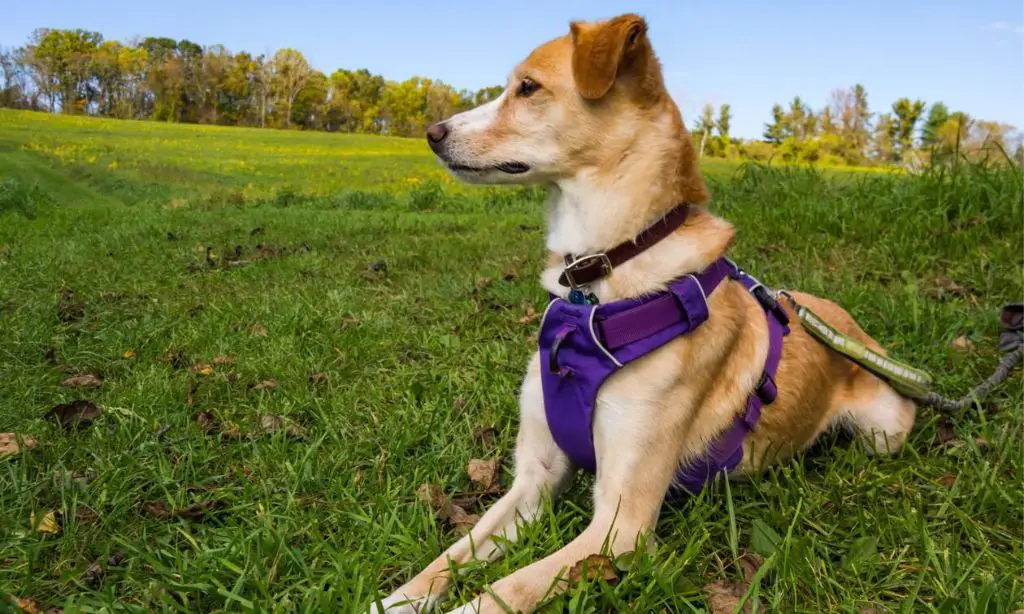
(509, 168)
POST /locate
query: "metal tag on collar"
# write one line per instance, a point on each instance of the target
(582, 297)
(587, 262)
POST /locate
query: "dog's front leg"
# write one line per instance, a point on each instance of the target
(541, 468)
(637, 459)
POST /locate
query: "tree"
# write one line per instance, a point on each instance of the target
(774, 132)
(309, 108)
(291, 71)
(13, 90)
(62, 64)
(906, 114)
(704, 125)
(884, 139)
(938, 115)
(724, 121)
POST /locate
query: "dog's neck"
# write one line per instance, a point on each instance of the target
(615, 200)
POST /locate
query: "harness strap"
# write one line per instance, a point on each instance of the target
(648, 318)
(726, 451)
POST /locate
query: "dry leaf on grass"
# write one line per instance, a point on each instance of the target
(196, 511)
(85, 515)
(319, 378)
(947, 480)
(220, 361)
(128, 354)
(203, 369)
(271, 423)
(81, 413)
(258, 330)
(945, 433)
(750, 563)
(93, 575)
(445, 510)
(484, 473)
(485, 435)
(83, 380)
(68, 309)
(11, 443)
(46, 523)
(267, 384)
(27, 606)
(595, 566)
(724, 597)
(963, 344)
(530, 317)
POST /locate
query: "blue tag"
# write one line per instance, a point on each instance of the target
(581, 297)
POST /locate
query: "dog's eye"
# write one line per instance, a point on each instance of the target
(526, 87)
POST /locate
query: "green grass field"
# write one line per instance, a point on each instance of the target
(184, 266)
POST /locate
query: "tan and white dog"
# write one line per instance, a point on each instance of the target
(588, 116)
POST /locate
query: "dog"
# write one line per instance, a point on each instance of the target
(588, 116)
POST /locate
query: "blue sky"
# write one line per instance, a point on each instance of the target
(748, 53)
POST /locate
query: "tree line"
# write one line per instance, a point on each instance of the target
(846, 132)
(78, 72)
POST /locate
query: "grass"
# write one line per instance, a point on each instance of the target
(367, 266)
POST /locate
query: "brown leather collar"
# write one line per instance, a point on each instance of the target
(582, 270)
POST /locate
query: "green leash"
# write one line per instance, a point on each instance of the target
(910, 381)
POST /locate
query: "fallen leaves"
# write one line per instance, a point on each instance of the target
(195, 511)
(319, 378)
(947, 480)
(12, 443)
(203, 369)
(724, 596)
(962, 344)
(445, 510)
(258, 330)
(485, 435)
(267, 384)
(594, 567)
(530, 317)
(27, 606)
(69, 309)
(484, 474)
(943, 287)
(222, 361)
(83, 380)
(76, 414)
(46, 523)
(271, 423)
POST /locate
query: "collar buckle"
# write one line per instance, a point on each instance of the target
(588, 269)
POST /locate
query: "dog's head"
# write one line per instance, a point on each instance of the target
(564, 107)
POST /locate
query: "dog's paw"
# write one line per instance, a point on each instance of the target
(399, 603)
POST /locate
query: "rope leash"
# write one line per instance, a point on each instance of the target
(915, 383)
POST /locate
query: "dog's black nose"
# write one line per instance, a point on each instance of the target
(436, 134)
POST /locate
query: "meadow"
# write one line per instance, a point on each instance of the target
(270, 341)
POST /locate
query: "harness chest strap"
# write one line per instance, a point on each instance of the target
(581, 345)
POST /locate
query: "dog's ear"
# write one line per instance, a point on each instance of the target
(601, 49)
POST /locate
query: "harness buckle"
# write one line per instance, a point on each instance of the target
(770, 303)
(600, 262)
(766, 389)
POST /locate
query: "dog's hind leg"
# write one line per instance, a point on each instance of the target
(541, 469)
(879, 415)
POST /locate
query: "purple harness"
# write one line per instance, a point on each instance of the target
(581, 345)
